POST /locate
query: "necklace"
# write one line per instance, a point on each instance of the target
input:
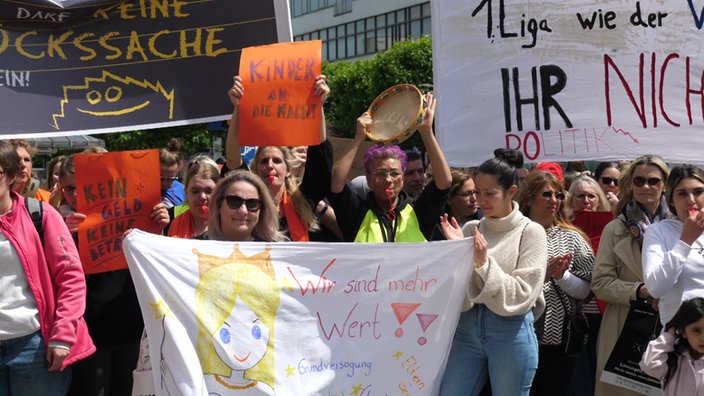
(236, 387)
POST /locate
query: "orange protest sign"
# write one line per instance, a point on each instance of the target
(279, 106)
(116, 191)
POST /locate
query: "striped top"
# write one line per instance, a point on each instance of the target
(560, 242)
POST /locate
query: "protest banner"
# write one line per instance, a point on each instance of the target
(279, 107)
(298, 318)
(108, 66)
(568, 80)
(116, 191)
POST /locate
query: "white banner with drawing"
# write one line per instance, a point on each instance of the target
(298, 318)
(565, 80)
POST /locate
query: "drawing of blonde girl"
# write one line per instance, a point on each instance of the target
(236, 305)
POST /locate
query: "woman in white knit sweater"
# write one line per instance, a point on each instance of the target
(495, 337)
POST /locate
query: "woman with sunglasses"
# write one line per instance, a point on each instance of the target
(618, 271)
(242, 210)
(495, 338)
(201, 175)
(673, 249)
(567, 279)
(607, 174)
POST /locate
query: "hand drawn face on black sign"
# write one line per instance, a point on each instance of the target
(111, 96)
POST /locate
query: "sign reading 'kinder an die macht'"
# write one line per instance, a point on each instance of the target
(279, 106)
(116, 191)
(107, 66)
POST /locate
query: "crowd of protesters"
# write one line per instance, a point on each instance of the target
(540, 279)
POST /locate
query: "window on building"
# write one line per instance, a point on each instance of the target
(369, 35)
(343, 7)
(302, 7)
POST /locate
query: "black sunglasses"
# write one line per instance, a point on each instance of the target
(609, 180)
(234, 202)
(640, 181)
(560, 196)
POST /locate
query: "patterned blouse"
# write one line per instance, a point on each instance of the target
(560, 242)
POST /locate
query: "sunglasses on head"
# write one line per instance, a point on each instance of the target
(640, 181)
(560, 196)
(235, 202)
(609, 180)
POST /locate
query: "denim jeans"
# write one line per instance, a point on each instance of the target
(486, 345)
(24, 370)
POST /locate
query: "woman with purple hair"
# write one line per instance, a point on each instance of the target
(386, 213)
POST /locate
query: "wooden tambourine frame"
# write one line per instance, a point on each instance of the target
(396, 114)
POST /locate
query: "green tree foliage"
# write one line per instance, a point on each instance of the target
(354, 85)
(194, 139)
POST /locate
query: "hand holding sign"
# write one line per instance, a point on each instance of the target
(284, 91)
(117, 191)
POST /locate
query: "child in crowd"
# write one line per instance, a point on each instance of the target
(675, 357)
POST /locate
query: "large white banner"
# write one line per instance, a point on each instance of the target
(566, 80)
(298, 318)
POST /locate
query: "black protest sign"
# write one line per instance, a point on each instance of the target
(97, 67)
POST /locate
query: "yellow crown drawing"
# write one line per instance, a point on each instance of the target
(260, 260)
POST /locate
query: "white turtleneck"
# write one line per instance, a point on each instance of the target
(511, 281)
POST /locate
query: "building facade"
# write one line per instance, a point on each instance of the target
(360, 28)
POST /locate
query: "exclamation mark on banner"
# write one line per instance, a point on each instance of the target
(402, 312)
(425, 321)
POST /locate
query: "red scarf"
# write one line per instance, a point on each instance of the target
(298, 232)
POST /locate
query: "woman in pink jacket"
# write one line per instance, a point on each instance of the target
(42, 295)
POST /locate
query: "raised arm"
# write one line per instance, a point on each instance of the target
(323, 90)
(441, 170)
(233, 153)
(342, 166)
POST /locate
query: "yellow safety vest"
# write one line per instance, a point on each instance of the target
(180, 209)
(407, 228)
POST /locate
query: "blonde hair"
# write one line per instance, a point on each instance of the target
(532, 185)
(203, 167)
(24, 144)
(602, 206)
(216, 294)
(625, 192)
(300, 202)
(267, 228)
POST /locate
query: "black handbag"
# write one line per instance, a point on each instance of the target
(575, 330)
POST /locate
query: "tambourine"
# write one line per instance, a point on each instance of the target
(396, 114)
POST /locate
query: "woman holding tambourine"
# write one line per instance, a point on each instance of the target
(386, 213)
